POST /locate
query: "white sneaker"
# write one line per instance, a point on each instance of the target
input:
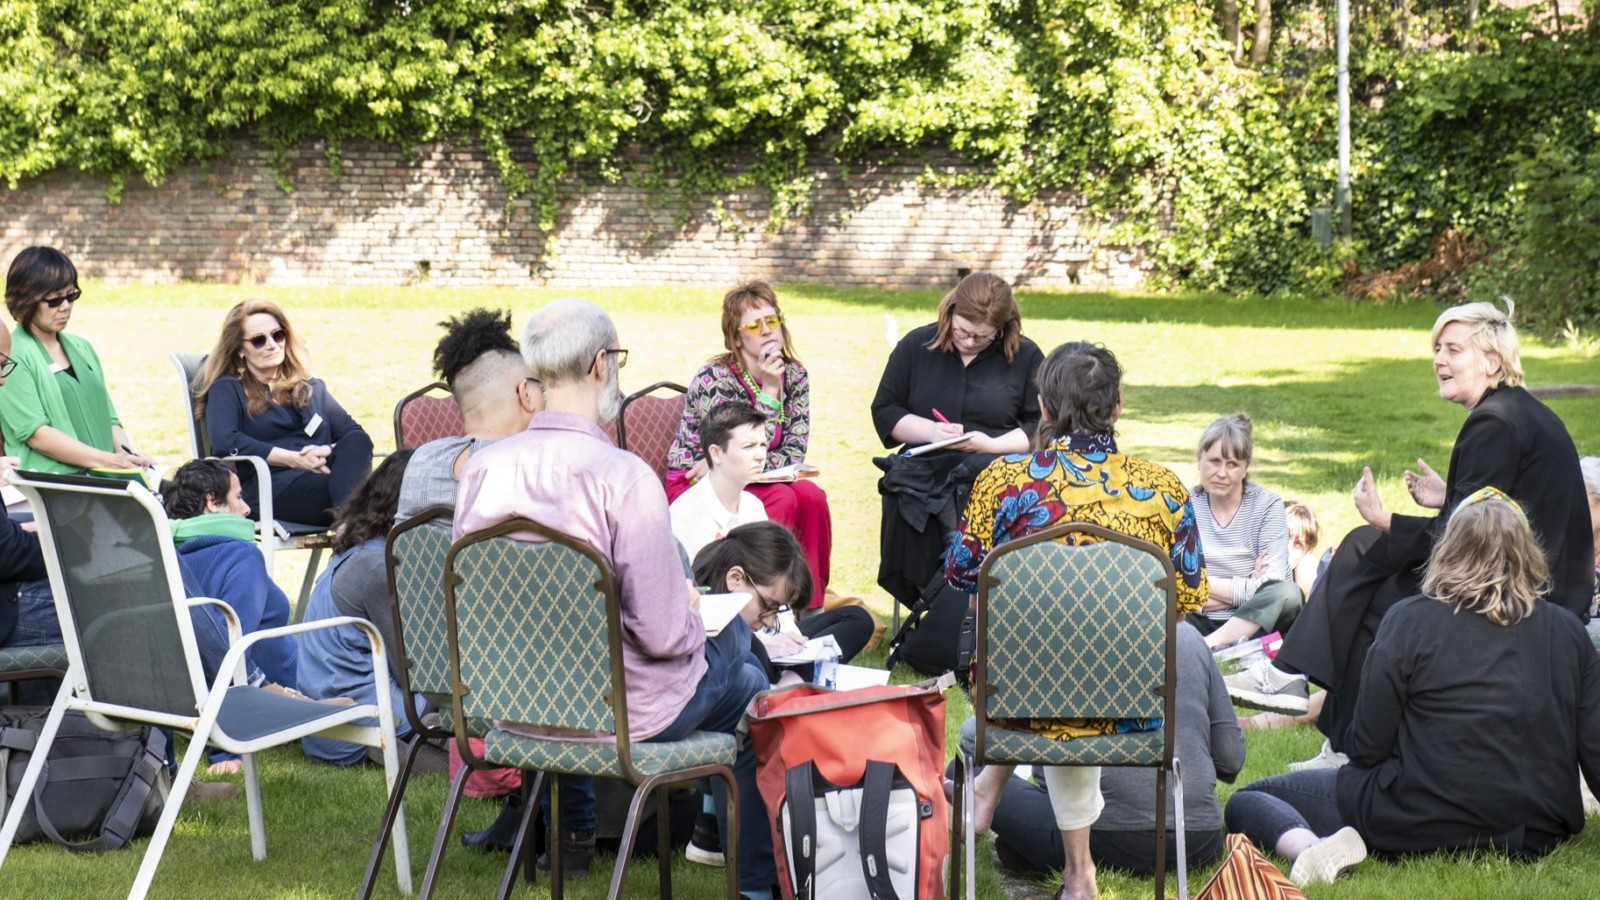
(1264, 686)
(1326, 758)
(1322, 862)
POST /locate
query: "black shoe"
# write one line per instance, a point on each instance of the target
(497, 838)
(577, 849)
(705, 847)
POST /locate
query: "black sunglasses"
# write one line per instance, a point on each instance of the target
(55, 302)
(260, 341)
(7, 365)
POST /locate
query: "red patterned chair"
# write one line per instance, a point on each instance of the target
(422, 416)
(648, 423)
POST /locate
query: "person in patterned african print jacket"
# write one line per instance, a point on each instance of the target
(1076, 474)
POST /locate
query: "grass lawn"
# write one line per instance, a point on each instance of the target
(1332, 387)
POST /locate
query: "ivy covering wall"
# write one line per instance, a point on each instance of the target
(1484, 131)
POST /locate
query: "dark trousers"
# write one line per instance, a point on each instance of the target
(1333, 633)
(311, 497)
(1265, 810)
(1027, 840)
(732, 678)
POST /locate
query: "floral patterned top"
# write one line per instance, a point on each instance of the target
(715, 384)
(1080, 478)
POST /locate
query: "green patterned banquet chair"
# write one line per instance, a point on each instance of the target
(414, 553)
(1075, 621)
(536, 639)
(38, 661)
(132, 656)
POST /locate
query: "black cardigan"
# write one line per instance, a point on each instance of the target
(989, 394)
(1471, 734)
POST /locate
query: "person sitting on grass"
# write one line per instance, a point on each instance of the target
(1247, 543)
(1479, 708)
(337, 662)
(733, 436)
(217, 543)
(1304, 535)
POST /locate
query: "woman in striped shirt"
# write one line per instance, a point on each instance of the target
(1246, 541)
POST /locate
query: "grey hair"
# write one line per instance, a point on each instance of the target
(560, 341)
(1591, 474)
(1234, 435)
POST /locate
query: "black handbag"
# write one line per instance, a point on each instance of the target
(99, 789)
(938, 636)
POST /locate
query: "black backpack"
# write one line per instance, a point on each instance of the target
(938, 635)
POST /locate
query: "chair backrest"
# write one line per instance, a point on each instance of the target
(118, 592)
(1075, 621)
(415, 553)
(648, 423)
(535, 633)
(188, 365)
(422, 416)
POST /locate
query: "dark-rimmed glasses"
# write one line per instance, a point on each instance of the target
(980, 340)
(621, 355)
(69, 297)
(7, 365)
(772, 323)
(277, 336)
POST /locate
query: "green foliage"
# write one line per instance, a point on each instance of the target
(1136, 104)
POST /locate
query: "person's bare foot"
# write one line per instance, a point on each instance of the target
(1079, 886)
(987, 787)
(226, 767)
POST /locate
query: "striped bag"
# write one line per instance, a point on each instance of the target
(1247, 875)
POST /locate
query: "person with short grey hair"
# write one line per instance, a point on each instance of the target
(564, 472)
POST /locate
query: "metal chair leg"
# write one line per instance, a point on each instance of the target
(663, 842)
(452, 805)
(382, 843)
(630, 827)
(521, 847)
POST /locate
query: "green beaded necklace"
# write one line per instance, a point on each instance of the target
(773, 404)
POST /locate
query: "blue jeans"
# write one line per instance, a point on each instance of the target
(36, 616)
(1265, 810)
(733, 676)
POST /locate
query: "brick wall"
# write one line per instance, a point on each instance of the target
(439, 212)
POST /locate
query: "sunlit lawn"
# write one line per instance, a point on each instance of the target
(1332, 387)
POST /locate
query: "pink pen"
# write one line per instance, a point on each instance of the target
(940, 416)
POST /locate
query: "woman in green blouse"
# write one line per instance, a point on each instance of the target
(55, 413)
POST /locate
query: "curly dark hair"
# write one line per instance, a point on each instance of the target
(469, 336)
(195, 484)
(369, 510)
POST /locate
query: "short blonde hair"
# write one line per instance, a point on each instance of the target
(1304, 531)
(1488, 563)
(1492, 337)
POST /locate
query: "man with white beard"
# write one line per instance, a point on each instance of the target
(565, 473)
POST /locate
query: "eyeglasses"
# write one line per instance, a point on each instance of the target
(259, 342)
(621, 355)
(69, 297)
(982, 340)
(7, 365)
(769, 612)
(771, 323)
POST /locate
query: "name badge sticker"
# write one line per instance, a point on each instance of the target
(314, 424)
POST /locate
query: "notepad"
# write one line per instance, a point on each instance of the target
(939, 445)
(787, 473)
(717, 610)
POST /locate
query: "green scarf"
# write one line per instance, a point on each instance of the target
(213, 524)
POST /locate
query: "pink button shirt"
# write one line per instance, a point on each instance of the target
(565, 473)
